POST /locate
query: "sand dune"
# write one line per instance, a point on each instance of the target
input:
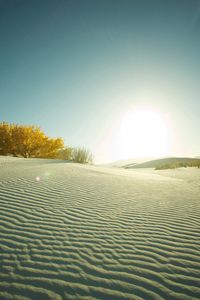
(159, 162)
(78, 232)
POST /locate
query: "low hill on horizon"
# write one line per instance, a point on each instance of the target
(131, 161)
(158, 162)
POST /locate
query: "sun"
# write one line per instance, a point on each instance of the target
(142, 133)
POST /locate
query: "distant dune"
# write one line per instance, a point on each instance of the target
(69, 231)
(131, 161)
(157, 162)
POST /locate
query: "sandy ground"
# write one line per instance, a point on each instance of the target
(84, 232)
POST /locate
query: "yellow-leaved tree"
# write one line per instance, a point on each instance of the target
(51, 147)
(27, 141)
(5, 139)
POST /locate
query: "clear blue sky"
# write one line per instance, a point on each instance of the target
(73, 67)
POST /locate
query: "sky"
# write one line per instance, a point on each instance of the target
(76, 67)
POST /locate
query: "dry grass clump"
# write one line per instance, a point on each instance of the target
(178, 164)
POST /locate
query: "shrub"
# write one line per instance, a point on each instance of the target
(178, 164)
(82, 155)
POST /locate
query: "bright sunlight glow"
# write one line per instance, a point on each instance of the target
(142, 133)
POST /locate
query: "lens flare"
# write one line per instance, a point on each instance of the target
(38, 178)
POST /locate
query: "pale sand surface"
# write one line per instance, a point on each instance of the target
(86, 232)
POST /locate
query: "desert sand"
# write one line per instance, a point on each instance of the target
(69, 231)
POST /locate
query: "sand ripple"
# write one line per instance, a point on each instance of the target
(73, 232)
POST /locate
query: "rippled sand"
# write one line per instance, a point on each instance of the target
(78, 232)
